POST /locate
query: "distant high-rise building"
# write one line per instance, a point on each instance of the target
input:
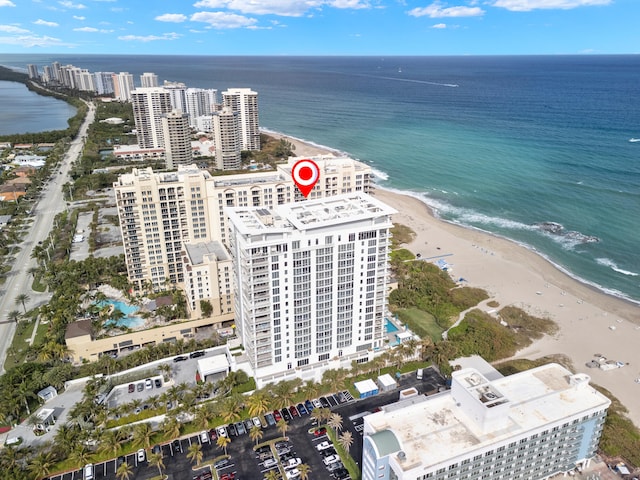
(47, 74)
(317, 270)
(531, 425)
(33, 72)
(225, 125)
(149, 105)
(244, 101)
(199, 101)
(85, 80)
(104, 82)
(177, 139)
(56, 71)
(178, 94)
(123, 86)
(148, 80)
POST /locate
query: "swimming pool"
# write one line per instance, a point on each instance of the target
(129, 320)
(389, 327)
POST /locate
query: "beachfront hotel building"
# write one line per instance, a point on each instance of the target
(227, 140)
(311, 283)
(528, 426)
(159, 212)
(244, 101)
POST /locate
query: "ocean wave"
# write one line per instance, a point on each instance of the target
(380, 174)
(606, 262)
(567, 238)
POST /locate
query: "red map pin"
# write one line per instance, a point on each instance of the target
(305, 174)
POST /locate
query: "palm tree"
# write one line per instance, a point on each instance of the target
(346, 440)
(283, 393)
(80, 455)
(142, 434)
(195, 453)
(41, 464)
(109, 443)
(258, 403)
(304, 470)
(335, 422)
(14, 316)
(310, 389)
(282, 426)
(222, 442)
(229, 408)
(155, 459)
(170, 427)
(22, 299)
(272, 475)
(203, 416)
(256, 434)
(166, 371)
(124, 471)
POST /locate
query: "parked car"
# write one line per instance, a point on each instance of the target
(271, 421)
(263, 449)
(156, 449)
(199, 353)
(341, 473)
(316, 403)
(223, 462)
(293, 473)
(240, 428)
(180, 358)
(285, 414)
(140, 386)
(120, 461)
(222, 431)
(204, 437)
(291, 463)
(283, 451)
(141, 455)
(213, 435)
(132, 388)
(323, 446)
(302, 409)
(330, 459)
(309, 405)
(294, 411)
(148, 385)
(335, 466)
(329, 451)
(248, 425)
(270, 462)
(228, 476)
(256, 422)
(158, 382)
(231, 428)
(88, 471)
(276, 415)
(324, 402)
(177, 447)
(318, 432)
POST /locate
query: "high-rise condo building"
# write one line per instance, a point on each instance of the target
(123, 86)
(33, 72)
(244, 101)
(148, 80)
(527, 426)
(104, 82)
(161, 211)
(149, 105)
(176, 135)
(177, 94)
(225, 125)
(311, 282)
(199, 101)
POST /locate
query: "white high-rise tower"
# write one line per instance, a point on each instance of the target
(177, 139)
(149, 105)
(244, 101)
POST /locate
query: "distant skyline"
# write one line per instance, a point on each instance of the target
(320, 27)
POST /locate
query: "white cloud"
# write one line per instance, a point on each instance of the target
(68, 4)
(221, 20)
(528, 5)
(12, 29)
(172, 17)
(284, 8)
(439, 25)
(44, 22)
(77, 17)
(30, 41)
(436, 10)
(85, 29)
(6, 3)
(149, 38)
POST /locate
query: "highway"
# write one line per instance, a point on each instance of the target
(50, 203)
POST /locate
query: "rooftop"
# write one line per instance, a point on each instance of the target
(535, 398)
(197, 251)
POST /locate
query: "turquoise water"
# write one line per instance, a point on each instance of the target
(129, 320)
(507, 145)
(389, 327)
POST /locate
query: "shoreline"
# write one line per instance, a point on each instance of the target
(589, 320)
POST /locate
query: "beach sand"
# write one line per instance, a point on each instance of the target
(589, 321)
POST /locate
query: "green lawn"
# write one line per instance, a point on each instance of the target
(421, 323)
(20, 344)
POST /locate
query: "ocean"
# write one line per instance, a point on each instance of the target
(538, 149)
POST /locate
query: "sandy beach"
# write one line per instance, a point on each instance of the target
(589, 321)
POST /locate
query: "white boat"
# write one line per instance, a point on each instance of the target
(634, 140)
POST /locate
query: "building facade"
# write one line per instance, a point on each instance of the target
(244, 101)
(176, 135)
(123, 86)
(148, 80)
(225, 126)
(528, 426)
(311, 282)
(149, 106)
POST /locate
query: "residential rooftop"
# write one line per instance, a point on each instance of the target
(197, 251)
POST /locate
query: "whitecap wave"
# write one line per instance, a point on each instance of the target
(379, 174)
(567, 238)
(606, 262)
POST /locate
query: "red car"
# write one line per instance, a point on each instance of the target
(277, 416)
(228, 476)
(319, 431)
(132, 388)
(293, 410)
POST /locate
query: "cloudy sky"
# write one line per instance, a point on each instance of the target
(320, 27)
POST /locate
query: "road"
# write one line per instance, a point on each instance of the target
(51, 202)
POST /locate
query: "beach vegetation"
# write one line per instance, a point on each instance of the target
(401, 235)
(401, 255)
(421, 323)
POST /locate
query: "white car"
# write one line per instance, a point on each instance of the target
(291, 463)
(293, 473)
(221, 431)
(316, 403)
(204, 437)
(148, 384)
(323, 446)
(141, 455)
(331, 459)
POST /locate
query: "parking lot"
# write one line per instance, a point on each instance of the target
(305, 443)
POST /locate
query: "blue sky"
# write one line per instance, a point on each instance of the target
(320, 27)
